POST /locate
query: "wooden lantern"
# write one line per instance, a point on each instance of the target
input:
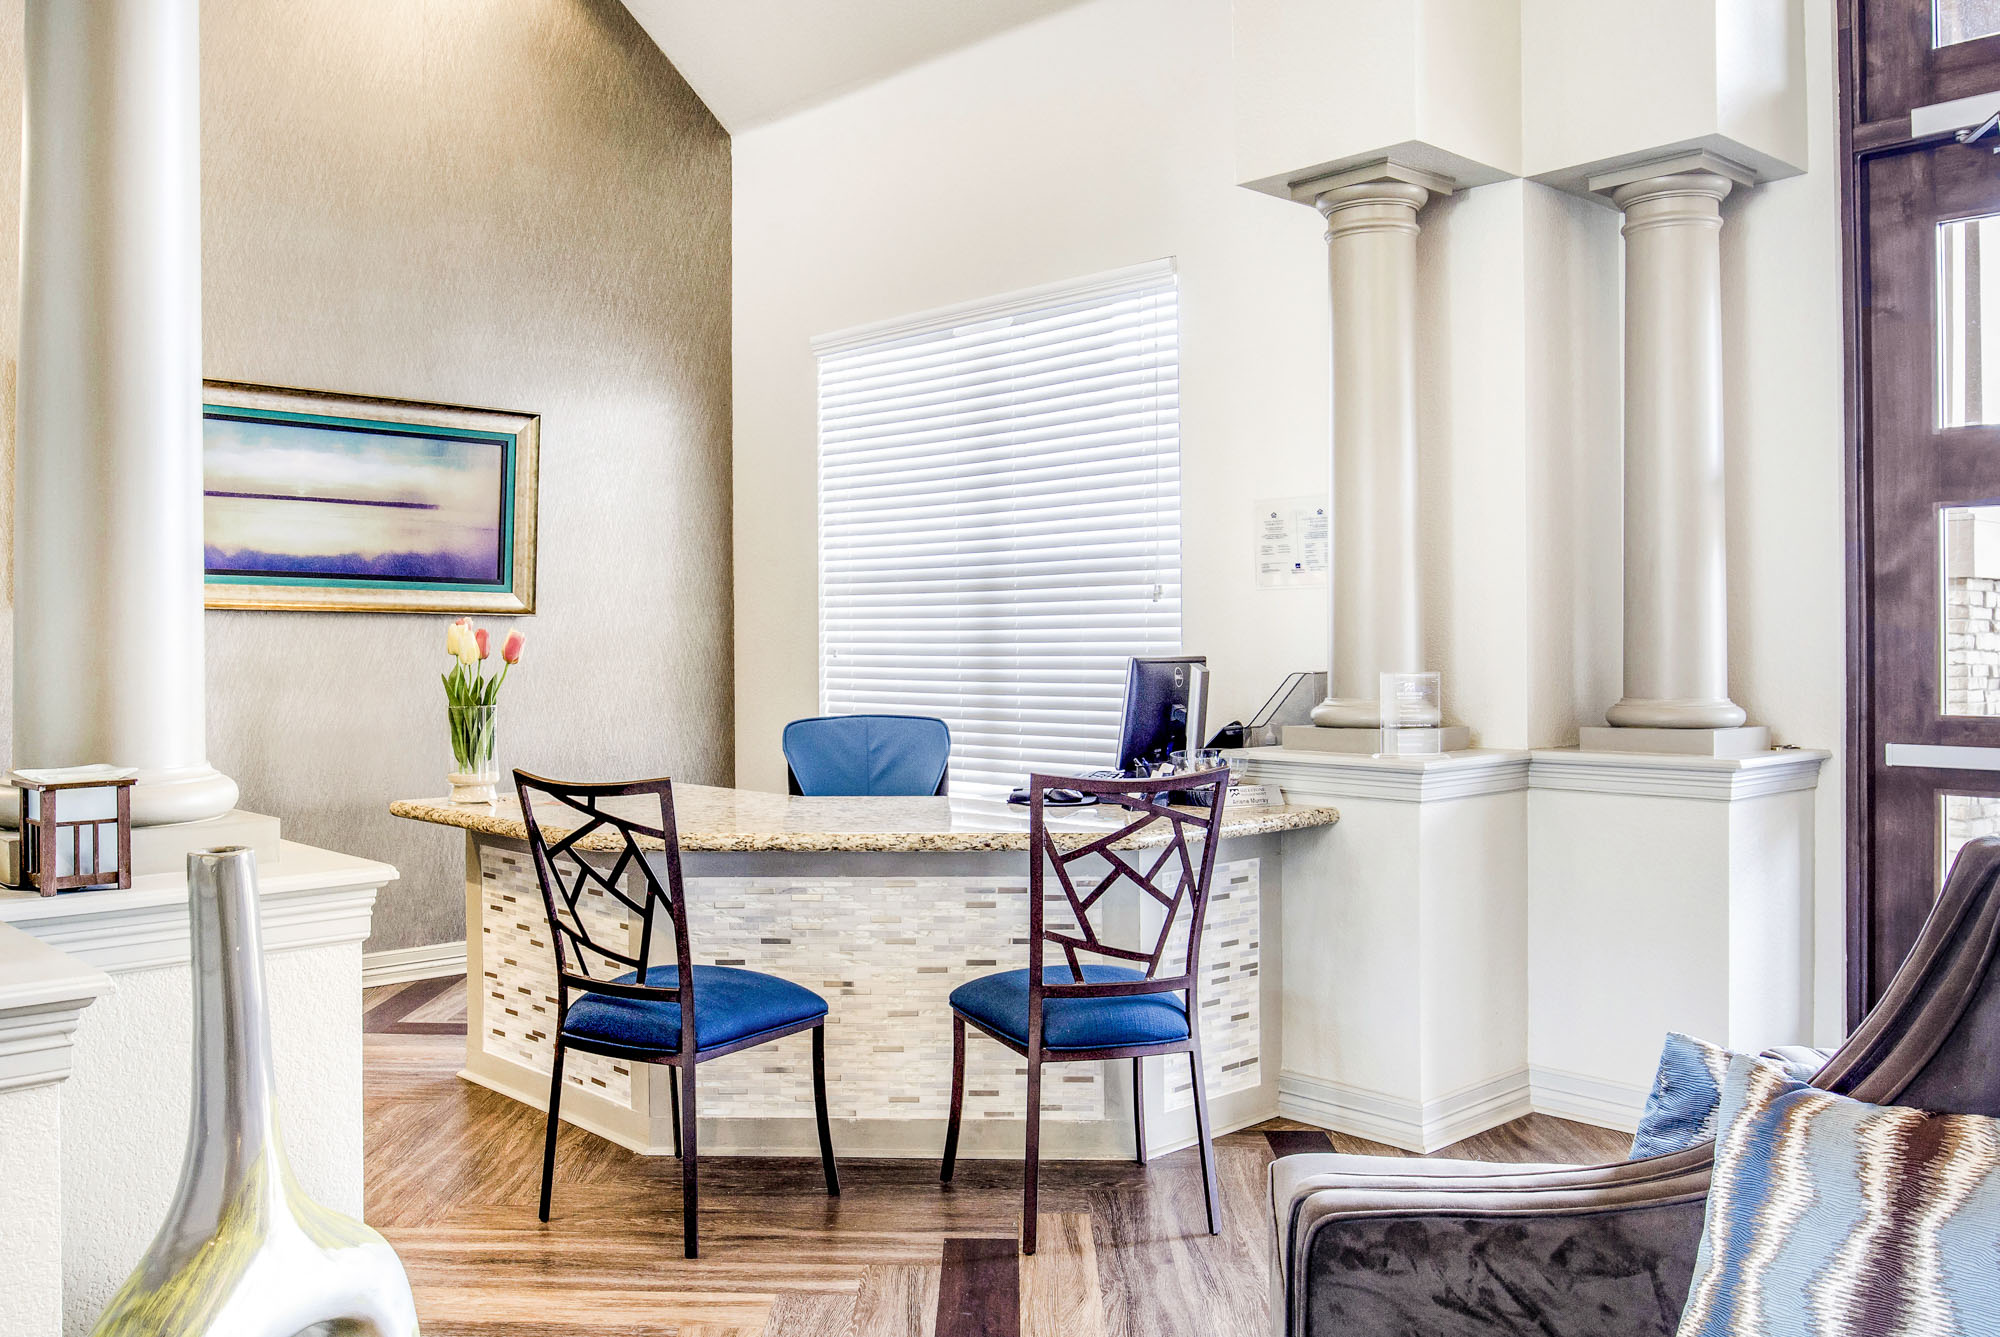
(76, 828)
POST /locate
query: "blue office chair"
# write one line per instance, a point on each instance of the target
(867, 754)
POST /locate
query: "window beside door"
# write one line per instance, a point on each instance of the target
(999, 519)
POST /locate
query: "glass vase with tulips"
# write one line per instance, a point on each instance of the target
(472, 696)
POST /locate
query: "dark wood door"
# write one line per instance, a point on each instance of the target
(1929, 369)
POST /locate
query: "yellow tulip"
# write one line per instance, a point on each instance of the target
(461, 643)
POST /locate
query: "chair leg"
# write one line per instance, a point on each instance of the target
(549, 1144)
(957, 1095)
(1030, 1180)
(690, 1192)
(674, 1103)
(819, 1108)
(1208, 1190)
(1139, 1109)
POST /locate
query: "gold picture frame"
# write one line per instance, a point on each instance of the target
(346, 503)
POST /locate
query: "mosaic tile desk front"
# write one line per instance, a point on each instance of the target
(885, 952)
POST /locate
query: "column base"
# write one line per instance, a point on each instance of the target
(1743, 741)
(1648, 712)
(183, 794)
(1378, 742)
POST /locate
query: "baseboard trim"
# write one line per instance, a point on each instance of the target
(1591, 1100)
(402, 965)
(1406, 1125)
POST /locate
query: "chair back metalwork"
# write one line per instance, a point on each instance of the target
(586, 959)
(1174, 877)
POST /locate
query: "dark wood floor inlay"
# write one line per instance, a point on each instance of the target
(391, 1011)
(979, 1294)
(1297, 1141)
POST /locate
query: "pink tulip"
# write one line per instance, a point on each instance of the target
(479, 637)
(510, 649)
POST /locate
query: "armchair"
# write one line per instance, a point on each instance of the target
(1397, 1248)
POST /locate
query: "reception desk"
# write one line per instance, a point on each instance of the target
(882, 906)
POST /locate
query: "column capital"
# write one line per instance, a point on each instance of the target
(1389, 179)
(1371, 207)
(1696, 172)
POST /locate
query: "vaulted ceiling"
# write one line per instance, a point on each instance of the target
(753, 61)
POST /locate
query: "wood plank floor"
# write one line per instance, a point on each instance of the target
(453, 1175)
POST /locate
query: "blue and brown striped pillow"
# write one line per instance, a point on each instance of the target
(1831, 1216)
(1687, 1090)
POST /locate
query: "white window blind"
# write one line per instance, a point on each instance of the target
(1000, 519)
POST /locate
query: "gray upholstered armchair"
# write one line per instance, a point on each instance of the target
(1367, 1247)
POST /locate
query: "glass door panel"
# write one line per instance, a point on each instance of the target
(1970, 615)
(1963, 817)
(1955, 21)
(1968, 290)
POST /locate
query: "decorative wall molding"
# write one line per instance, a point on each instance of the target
(1662, 775)
(1313, 776)
(42, 996)
(1591, 1100)
(311, 898)
(1437, 1123)
(403, 965)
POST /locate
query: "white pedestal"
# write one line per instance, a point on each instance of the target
(1666, 893)
(125, 1107)
(1745, 740)
(1404, 944)
(164, 849)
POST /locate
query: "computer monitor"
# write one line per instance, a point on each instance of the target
(1166, 710)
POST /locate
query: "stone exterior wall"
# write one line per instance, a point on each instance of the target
(1972, 687)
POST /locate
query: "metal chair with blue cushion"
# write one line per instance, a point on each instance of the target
(610, 997)
(867, 754)
(1085, 1011)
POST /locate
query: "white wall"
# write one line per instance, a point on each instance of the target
(1783, 425)
(1090, 140)
(1105, 135)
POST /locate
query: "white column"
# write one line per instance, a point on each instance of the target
(1676, 608)
(107, 481)
(1377, 621)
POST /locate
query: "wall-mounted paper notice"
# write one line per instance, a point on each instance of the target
(1291, 542)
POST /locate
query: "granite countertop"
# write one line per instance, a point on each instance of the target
(750, 821)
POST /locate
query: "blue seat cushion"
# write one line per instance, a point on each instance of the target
(729, 1005)
(1000, 1003)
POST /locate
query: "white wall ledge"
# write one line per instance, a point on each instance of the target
(1661, 775)
(43, 992)
(311, 898)
(1313, 775)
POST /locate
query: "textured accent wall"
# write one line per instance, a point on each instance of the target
(513, 204)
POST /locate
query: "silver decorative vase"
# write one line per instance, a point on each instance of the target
(244, 1252)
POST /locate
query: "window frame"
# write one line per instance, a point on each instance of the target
(981, 764)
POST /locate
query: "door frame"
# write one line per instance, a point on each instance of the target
(1881, 31)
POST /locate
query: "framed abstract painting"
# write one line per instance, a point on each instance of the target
(338, 503)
